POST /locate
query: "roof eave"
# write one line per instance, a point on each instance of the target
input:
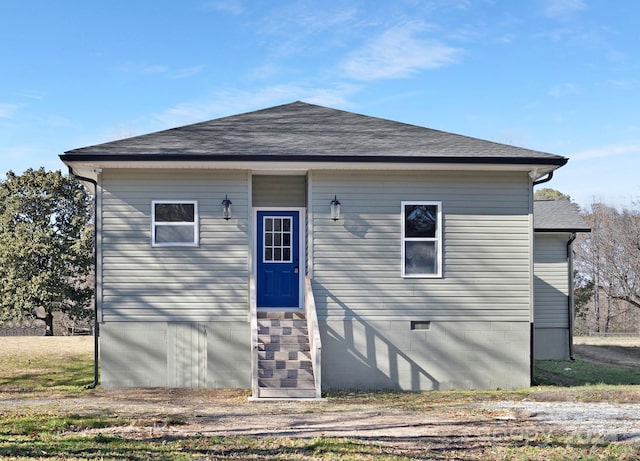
(553, 161)
(568, 229)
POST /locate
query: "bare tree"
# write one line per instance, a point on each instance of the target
(609, 257)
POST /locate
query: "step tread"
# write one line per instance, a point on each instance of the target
(285, 373)
(270, 323)
(277, 339)
(284, 355)
(281, 315)
(285, 365)
(283, 347)
(286, 383)
(282, 331)
(287, 393)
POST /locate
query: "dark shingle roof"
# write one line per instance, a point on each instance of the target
(305, 132)
(557, 215)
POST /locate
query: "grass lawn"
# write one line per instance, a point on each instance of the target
(55, 369)
(581, 372)
(40, 364)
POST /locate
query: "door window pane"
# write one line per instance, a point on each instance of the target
(277, 239)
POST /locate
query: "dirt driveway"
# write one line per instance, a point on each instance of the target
(621, 352)
(184, 413)
(424, 423)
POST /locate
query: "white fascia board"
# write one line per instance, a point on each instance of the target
(266, 167)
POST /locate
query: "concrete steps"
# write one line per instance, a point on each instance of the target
(284, 358)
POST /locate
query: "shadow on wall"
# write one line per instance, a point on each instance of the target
(356, 225)
(551, 320)
(354, 357)
(389, 355)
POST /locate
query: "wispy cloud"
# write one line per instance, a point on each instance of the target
(506, 38)
(159, 69)
(8, 111)
(398, 53)
(34, 94)
(298, 29)
(621, 83)
(560, 9)
(234, 7)
(142, 68)
(298, 19)
(20, 152)
(564, 89)
(186, 72)
(237, 101)
(615, 150)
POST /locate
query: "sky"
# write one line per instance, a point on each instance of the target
(558, 76)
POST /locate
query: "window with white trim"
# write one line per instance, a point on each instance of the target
(422, 239)
(174, 223)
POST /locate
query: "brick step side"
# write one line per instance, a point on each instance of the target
(268, 393)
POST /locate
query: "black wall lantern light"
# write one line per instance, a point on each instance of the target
(226, 208)
(335, 208)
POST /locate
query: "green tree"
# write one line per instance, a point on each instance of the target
(546, 193)
(46, 256)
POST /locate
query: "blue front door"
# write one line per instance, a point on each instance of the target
(278, 270)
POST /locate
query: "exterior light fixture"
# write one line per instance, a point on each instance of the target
(335, 208)
(226, 208)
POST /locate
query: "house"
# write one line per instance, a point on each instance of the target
(300, 248)
(556, 223)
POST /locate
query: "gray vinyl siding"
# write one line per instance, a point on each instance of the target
(205, 283)
(551, 284)
(281, 191)
(551, 280)
(486, 264)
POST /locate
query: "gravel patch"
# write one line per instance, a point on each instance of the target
(611, 421)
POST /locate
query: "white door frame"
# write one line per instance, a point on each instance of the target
(302, 220)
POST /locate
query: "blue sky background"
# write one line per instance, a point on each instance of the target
(560, 76)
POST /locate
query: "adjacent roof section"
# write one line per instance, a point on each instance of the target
(557, 216)
(305, 132)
